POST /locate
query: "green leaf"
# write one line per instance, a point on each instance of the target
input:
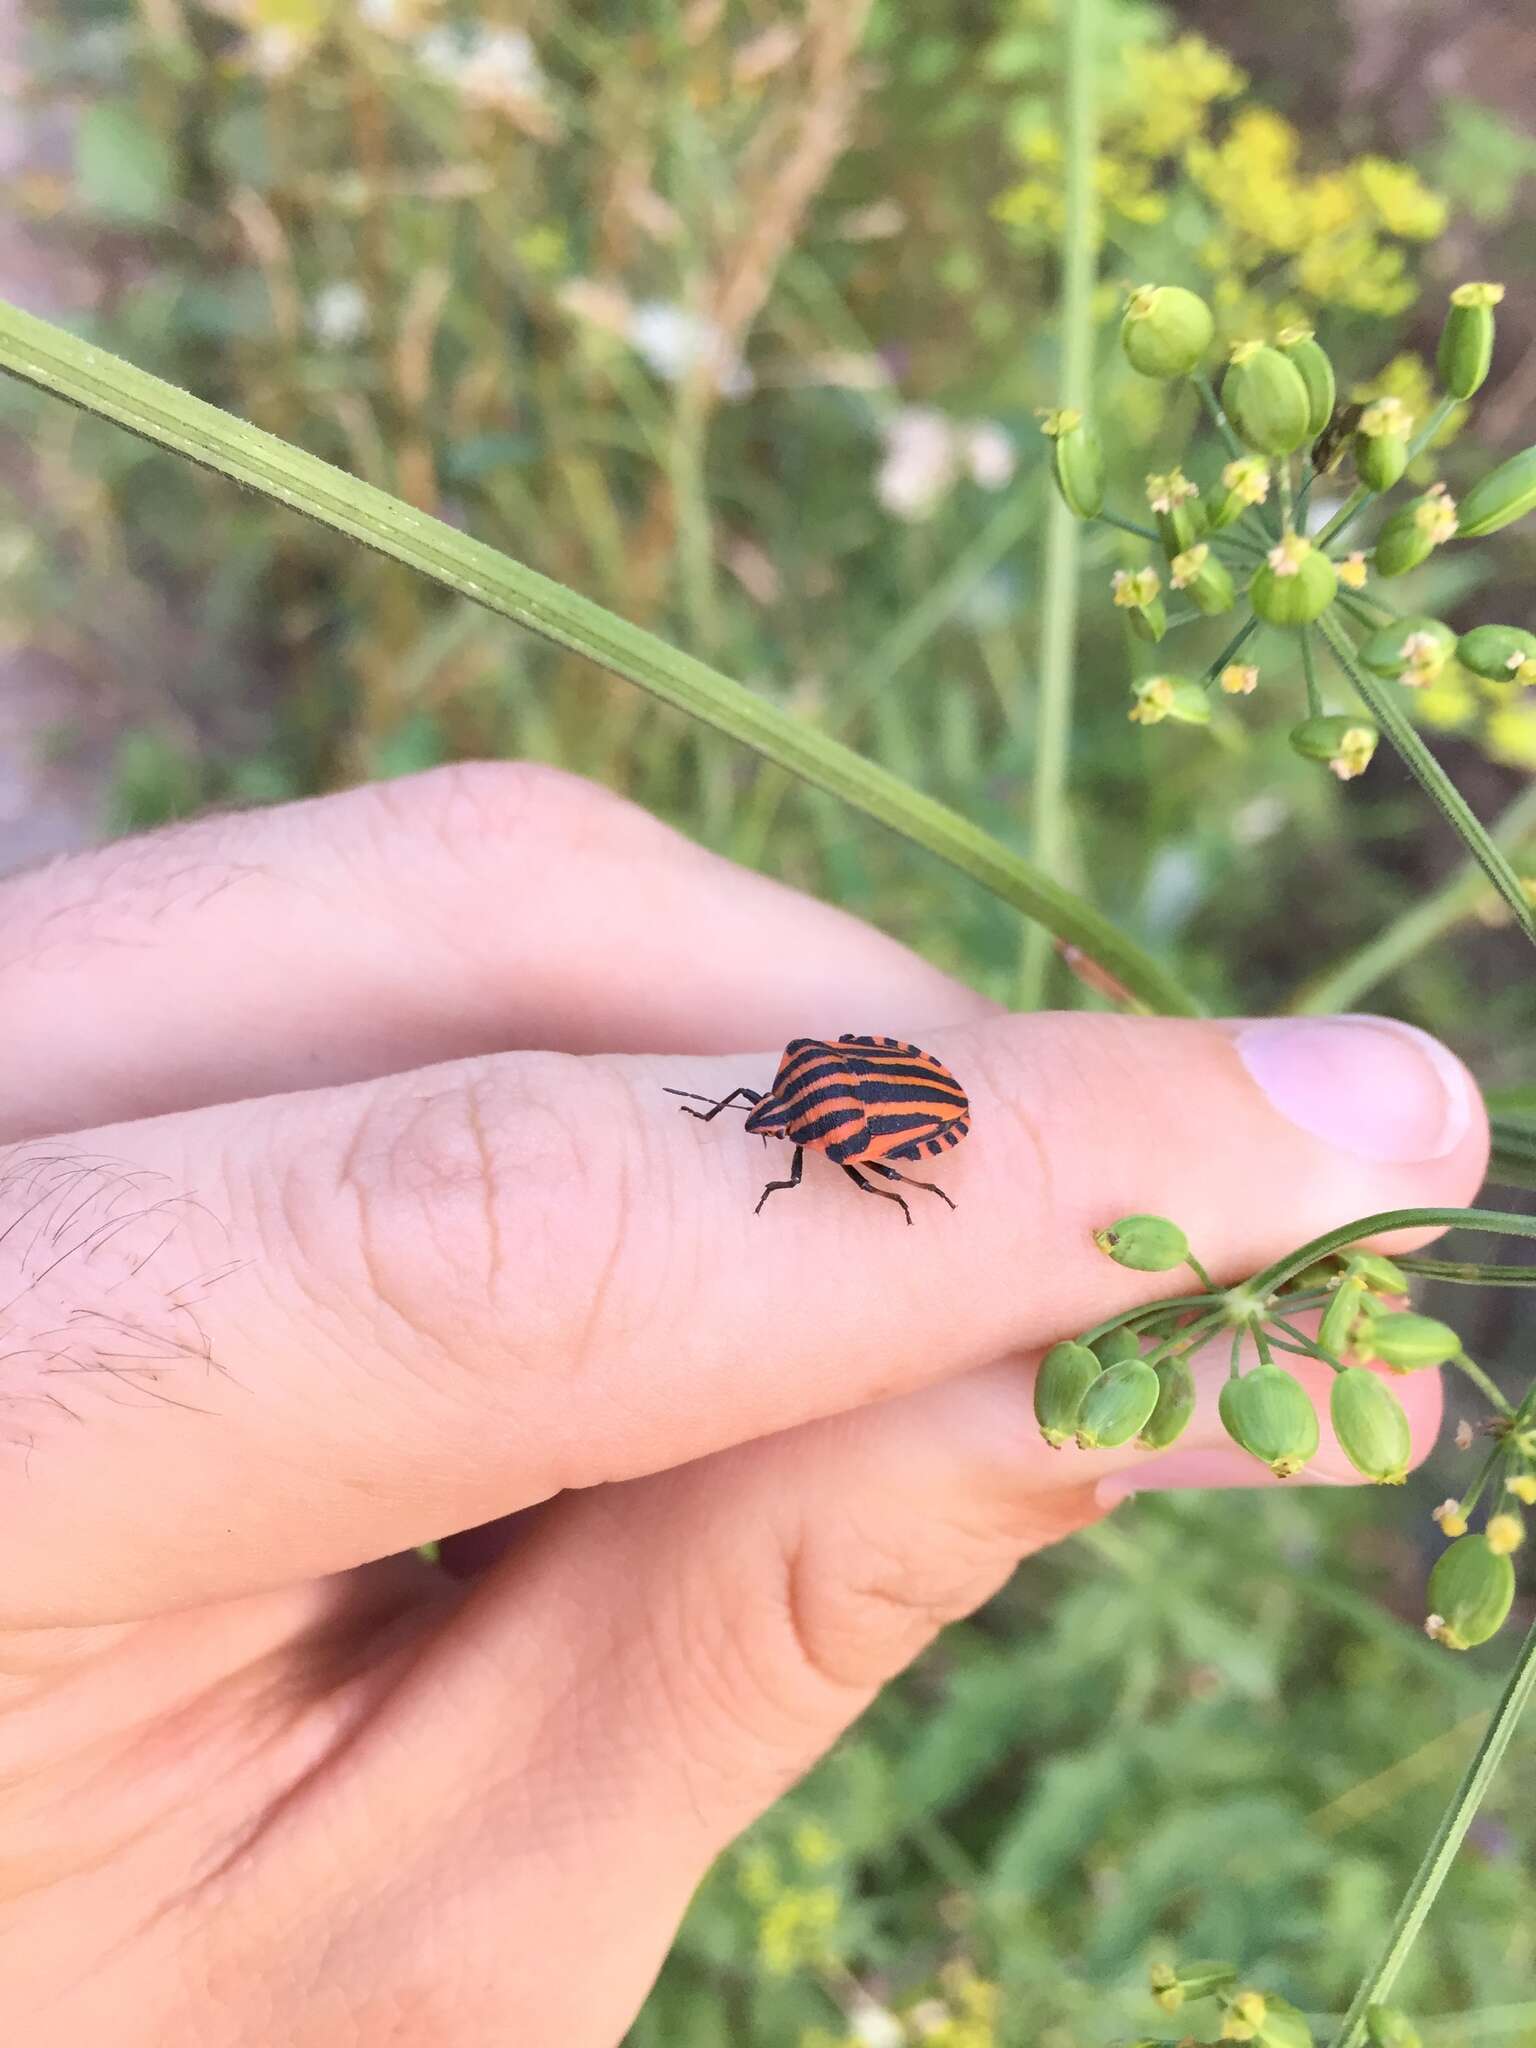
(123, 169)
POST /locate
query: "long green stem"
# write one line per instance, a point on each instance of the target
(1441, 1853)
(88, 377)
(1431, 777)
(1049, 824)
(1420, 925)
(1497, 1222)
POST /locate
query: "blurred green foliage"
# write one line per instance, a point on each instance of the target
(735, 316)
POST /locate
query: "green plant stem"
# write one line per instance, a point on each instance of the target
(1233, 648)
(1470, 1369)
(1469, 1272)
(1128, 526)
(1441, 1853)
(1430, 776)
(1219, 420)
(1497, 1222)
(1049, 823)
(1309, 671)
(88, 377)
(1420, 925)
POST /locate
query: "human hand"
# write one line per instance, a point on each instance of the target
(293, 1296)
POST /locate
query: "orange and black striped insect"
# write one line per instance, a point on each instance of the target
(869, 1100)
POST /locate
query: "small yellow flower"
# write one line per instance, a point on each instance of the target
(1288, 555)
(1478, 295)
(1387, 416)
(1426, 657)
(1166, 492)
(1522, 668)
(1239, 679)
(1434, 1626)
(1452, 1521)
(1523, 1486)
(1435, 514)
(1505, 1533)
(1134, 589)
(1353, 571)
(1356, 748)
(1511, 736)
(1154, 700)
(1185, 569)
(1058, 420)
(1247, 479)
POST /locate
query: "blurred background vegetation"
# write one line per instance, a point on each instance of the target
(736, 315)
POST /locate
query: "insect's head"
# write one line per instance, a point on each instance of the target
(768, 1117)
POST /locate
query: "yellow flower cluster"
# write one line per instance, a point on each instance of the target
(797, 1922)
(1331, 236)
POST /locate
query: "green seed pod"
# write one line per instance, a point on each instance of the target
(1499, 654)
(1270, 1414)
(1413, 643)
(1166, 330)
(1471, 1591)
(1265, 399)
(1173, 1983)
(1295, 584)
(1147, 1244)
(1386, 2027)
(1148, 621)
(1178, 509)
(1406, 1342)
(1204, 580)
(1371, 1426)
(1177, 697)
(1115, 1345)
(1504, 495)
(1381, 443)
(1466, 340)
(1116, 1405)
(1135, 592)
(1301, 347)
(1346, 743)
(1244, 482)
(1283, 2027)
(1380, 1275)
(1380, 460)
(1415, 530)
(1077, 461)
(1341, 1316)
(1065, 1375)
(1175, 1404)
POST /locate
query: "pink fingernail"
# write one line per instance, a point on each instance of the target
(1369, 1085)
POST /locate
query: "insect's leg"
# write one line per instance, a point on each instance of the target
(885, 1194)
(890, 1173)
(725, 1102)
(793, 1182)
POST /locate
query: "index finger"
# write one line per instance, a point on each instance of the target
(292, 1334)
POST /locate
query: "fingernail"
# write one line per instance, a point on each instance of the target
(1370, 1085)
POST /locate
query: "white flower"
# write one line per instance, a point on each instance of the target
(338, 313)
(671, 341)
(990, 455)
(920, 465)
(926, 454)
(872, 2026)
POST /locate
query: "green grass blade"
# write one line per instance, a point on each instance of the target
(89, 377)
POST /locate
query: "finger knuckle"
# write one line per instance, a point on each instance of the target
(456, 1192)
(468, 807)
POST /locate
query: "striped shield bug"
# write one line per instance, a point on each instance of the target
(864, 1102)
